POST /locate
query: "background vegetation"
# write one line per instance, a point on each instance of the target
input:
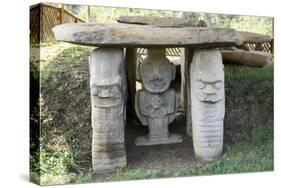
(99, 14)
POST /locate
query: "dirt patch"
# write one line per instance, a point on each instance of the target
(170, 157)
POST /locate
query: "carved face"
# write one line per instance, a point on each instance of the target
(209, 91)
(106, 95)
(207, 76)
(156, 72)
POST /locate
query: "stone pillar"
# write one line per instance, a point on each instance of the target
(156, 103)
(108, 98)
(207, 103)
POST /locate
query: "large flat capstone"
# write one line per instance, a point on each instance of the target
(126, 35)
(157, 21)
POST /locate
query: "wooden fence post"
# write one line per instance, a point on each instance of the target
(41, 22)
(89, 14)
(62, 14)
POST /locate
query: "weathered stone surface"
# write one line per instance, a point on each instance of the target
(157, 21)
(146, 141)
(156, 72)
(207, 103)
(251, 58)
(156, 104)
(113, 136)
(106, 165)
(160, 21)
(127, 35)
(108, 97)
(108, 147)
(249, 37)
(101, 155)
(183, 96)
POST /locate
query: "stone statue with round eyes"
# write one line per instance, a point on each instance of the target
(156, 103)
(207, 103)
(108, 97)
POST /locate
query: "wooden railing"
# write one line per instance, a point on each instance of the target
(169, 51)
(44, 17)
(262, 46)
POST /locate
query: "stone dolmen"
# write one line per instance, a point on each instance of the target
(115, 60)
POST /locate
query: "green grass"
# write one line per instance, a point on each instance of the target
(50, 166)
(55, 53)
(252, 153)
(236, 75)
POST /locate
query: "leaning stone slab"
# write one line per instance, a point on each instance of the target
(126, 35)
(250, 37)
(250, 58)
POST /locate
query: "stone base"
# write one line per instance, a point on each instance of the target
(208, 159)
(105, 164)
(145, 141)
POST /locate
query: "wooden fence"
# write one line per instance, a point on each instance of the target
(266, 46)
(44, 17)
(169, 51)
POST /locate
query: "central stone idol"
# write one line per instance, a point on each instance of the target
(156, 103)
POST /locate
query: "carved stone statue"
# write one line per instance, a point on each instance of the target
(108, 97)
(156, 103)
(207, 103)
